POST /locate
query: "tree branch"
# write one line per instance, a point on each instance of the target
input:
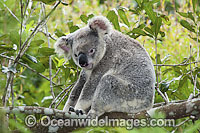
(171, 111)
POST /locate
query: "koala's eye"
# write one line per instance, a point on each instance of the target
(91, 51)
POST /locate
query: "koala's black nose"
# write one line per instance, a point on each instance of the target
(83, 61)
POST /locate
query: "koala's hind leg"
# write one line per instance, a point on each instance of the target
(107, 96)
(118, 95)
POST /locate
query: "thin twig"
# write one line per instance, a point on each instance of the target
(9, 85)
(26, 7)
(56, 73)
(48, 35)
(197, 58)
(32, 10)
(22, 17)
(63, 98)
(185, 64)
(182, 122)
(54, 101)
(50, 61)
(157, 87)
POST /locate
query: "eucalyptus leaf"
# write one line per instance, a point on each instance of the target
(149, 11)
(84, 18)
(73, 28)
(123, 17)
(194, 4)
(139, 31)
(45, 51)
(114, 19)
(147, 29)
(187, 25)
(183, 81)
(156, 26)
(37, 42)
(59, 33)
(47, 1)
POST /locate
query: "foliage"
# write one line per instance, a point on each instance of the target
(172, 26)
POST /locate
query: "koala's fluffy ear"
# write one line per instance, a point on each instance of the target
(62, 47)
(100, 24)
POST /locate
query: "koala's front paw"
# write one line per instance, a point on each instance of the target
(77, 111)
(71, 109)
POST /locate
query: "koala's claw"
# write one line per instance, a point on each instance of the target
(71, 109)
(79, 111)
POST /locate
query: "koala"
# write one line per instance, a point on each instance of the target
(117, 73)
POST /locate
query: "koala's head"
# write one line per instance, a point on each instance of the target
(86, 46)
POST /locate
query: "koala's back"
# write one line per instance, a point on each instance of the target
(131, 65)
(129, 58)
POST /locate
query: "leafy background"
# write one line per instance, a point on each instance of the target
(169, 27)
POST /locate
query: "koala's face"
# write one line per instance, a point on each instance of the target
(86, 49)
(86, 46)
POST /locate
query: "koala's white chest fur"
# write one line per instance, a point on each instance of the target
(117, 73)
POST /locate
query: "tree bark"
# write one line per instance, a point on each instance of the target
(171, 111)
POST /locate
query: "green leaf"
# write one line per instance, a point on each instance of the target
(177, 69)
(59, 33)
(183, 14)
(64, 3)
(147, 29)
(139, 2)
(158, 59)
(134, 11)
(166, 20)
(84, 18)
(187, 25)
(3, 36)
(162, 34)
(190, 15)
(6, 47)
(194, 38)
(164, 86)
(139, 31)
(45, 51)
(149, 11)
(187, 15)
(31, 58)
(194, 4)
(166, 71)
(44, 61)
(141, 26)
(67, 72)
(154, 1)
(114, 19)
(37, 42)
(123, 17)
(73, 28)
(14, 37)
(46, 1)
(156, 26)
(90, 16)
(183, 81)
(33, 63)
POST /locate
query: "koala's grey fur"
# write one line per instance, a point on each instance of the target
(117, 73)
